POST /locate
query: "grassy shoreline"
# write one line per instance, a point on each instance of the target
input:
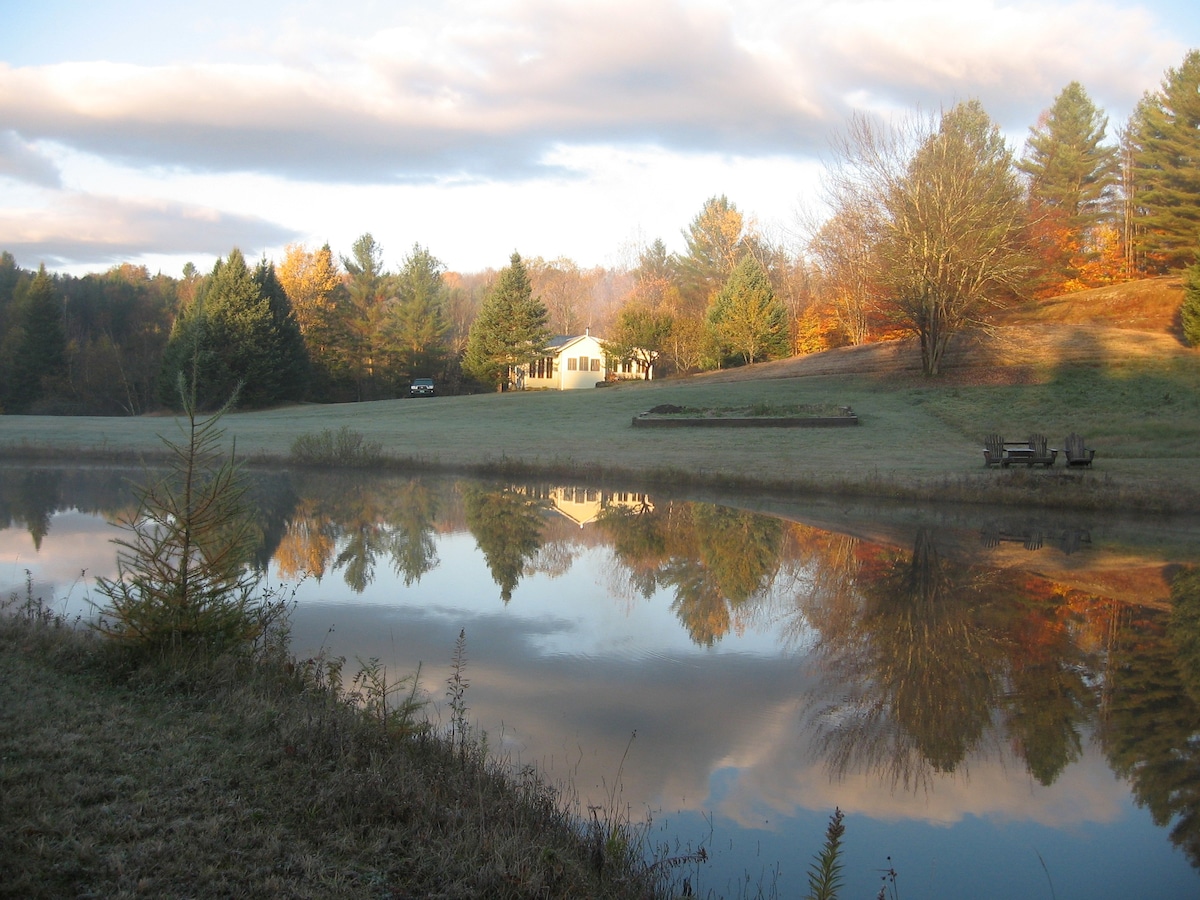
(257, 778)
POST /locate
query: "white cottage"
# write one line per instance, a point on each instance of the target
(577, 361)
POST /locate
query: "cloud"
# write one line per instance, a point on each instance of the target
(486, 92)
(92, 229)
(24, 162)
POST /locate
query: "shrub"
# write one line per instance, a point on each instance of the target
(336, 448)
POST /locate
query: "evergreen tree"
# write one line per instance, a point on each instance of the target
(225, 338)
(1165, 133)
(714, 248)
(1190, 313)
(289, 376)
(1068, 165)
(510, 329)
(1072, 177)
(747, 318)
(368, 290)
(655, 263)
(39, 351)
(418, 321)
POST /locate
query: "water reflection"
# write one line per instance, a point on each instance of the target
(924, 668)
(933, 661)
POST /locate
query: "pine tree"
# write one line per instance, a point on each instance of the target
(226, 340)
(510, 329)
(289, 375)
(747, 318)
(40, 352)
(714, 248)
(418, 321)
(1068, 165)
(1072, 177)
(184, 584)
(1165, 133)
(1190, 313)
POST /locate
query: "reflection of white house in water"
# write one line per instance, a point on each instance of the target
(578, 361)
(584, 504)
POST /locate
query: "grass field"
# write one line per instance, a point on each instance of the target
(1133, 392)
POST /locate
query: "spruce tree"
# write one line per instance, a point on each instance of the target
(510, 329)
(418, 322)
(289, 375)
(40, 351)
(1069, 167)
(1072, 179)
(1165, 133)
(1190, 313)
(226, 340)
(747, 319)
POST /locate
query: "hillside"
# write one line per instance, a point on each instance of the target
(1103, 325)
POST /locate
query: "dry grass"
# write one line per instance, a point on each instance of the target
(1131, 393)
(250, 781)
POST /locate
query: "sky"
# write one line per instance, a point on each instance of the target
(158, 132)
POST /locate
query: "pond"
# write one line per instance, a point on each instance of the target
(1002, 704)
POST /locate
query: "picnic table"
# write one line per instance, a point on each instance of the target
(1030, 452)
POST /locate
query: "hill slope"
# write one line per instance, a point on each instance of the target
(1101, 326)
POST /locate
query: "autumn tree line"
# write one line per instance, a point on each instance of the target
(930, 223)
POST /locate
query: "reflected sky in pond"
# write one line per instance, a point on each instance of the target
(999, 703)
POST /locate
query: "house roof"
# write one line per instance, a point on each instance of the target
(561, 342)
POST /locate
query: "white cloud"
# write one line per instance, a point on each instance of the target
(75, 228)
(25, 162)
(479, 99)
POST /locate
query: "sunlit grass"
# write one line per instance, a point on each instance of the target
(1141, 414)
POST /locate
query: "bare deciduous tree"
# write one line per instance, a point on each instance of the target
(941, 208)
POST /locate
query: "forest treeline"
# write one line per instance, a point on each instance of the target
(932, 223)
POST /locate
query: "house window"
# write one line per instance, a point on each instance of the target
(572, 364)
(596, 364)
(583, 364)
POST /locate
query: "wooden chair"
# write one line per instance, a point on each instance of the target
(1076, 453)
(1041, 455)
(993, 450)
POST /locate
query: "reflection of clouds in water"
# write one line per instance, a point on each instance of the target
(735, 718)
(772, 775)
(76, 550)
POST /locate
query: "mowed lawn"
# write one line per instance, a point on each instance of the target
(1135, 396)
(1107, 363)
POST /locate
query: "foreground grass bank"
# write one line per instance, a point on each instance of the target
(257, 780)
(918, 439)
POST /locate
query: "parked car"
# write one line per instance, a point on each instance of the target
(421, 387)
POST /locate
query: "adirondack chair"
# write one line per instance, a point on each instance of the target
(1077, 454)
(1041, 455)
(993, 450)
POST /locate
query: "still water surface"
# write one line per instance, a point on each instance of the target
(1002, 705)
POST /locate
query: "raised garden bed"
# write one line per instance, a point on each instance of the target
(809, 415)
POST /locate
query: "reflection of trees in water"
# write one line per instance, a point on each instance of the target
(917, 671)
(1150, 732)
(931, 660)
(825, 569)
(507, 527)
(350, 523)
(31, 497)
(1049, 700)
(713, 558)
(412, 547)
